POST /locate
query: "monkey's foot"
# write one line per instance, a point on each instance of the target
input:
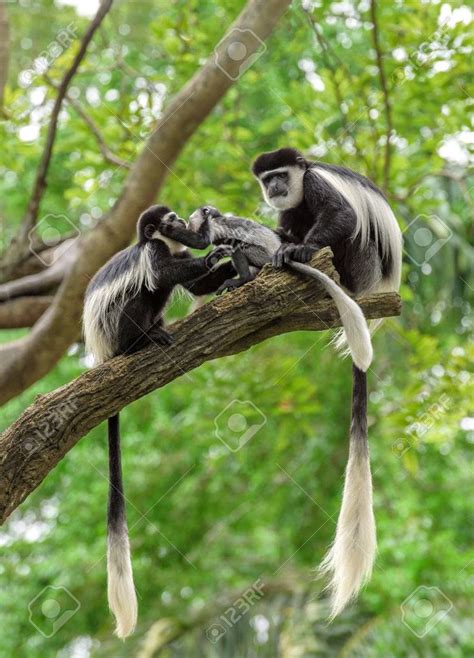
(161, 336)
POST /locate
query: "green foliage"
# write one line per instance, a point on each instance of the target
(204, 519)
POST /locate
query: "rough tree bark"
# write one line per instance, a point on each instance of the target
(27, 360)
(275, 302)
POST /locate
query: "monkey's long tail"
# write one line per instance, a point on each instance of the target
(351, 556)
(120, 587)
(353, 320)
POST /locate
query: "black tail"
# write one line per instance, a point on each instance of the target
(351, 557)
(121, 590)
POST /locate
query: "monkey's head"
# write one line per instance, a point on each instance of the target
(151, 221)
(202, 213)
(280, 174)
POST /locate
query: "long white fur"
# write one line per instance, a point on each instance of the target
(102, 307)
(372, 212)
(350, 559)
(353, 320)
(120, 588)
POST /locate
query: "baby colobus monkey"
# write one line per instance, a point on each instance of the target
(251, 245)
(324, 205)
(123, 312)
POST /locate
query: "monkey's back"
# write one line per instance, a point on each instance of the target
(116, 283)
(257, 242)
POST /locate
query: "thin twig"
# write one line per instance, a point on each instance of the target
(327, 53)
(4, 51)
(386, 97)
(41, 175)
(108, 154)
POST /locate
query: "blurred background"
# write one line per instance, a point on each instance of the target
(225, 541)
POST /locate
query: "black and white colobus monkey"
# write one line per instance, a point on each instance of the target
(251, 245)
(323, 205)
(123, 312)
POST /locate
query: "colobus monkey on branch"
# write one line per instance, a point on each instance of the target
(251, 245)
(324, 205)
(123, 312)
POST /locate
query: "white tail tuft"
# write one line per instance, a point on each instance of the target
(351, 557)
(356, 331)
(120, 587)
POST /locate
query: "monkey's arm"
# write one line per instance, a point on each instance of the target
(199, 239)
(334, 221)
(182, 271)
(334, 217)
(331, 227)
(241, 264)
(212, 281)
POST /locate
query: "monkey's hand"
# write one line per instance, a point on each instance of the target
(161, 336)
(228, 285)
(301, 253)
(217, 254)
(174, 222)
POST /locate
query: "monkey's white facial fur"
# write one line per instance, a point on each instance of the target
(282, 188)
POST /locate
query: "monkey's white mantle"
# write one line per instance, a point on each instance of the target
(274, 303)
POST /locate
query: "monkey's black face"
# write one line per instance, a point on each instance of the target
(152, 220)
(283, 188)
(280, 174)
(276, 184)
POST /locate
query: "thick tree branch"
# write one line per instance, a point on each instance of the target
(59, 262)
(386, 96)
(27, 360)
(23, 312)
(275, 302)
(19, 247)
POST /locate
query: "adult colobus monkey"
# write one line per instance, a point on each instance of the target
(123, 312)
(323, 205)
(250, 246)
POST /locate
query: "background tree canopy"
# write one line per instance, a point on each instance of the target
(383, 88)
